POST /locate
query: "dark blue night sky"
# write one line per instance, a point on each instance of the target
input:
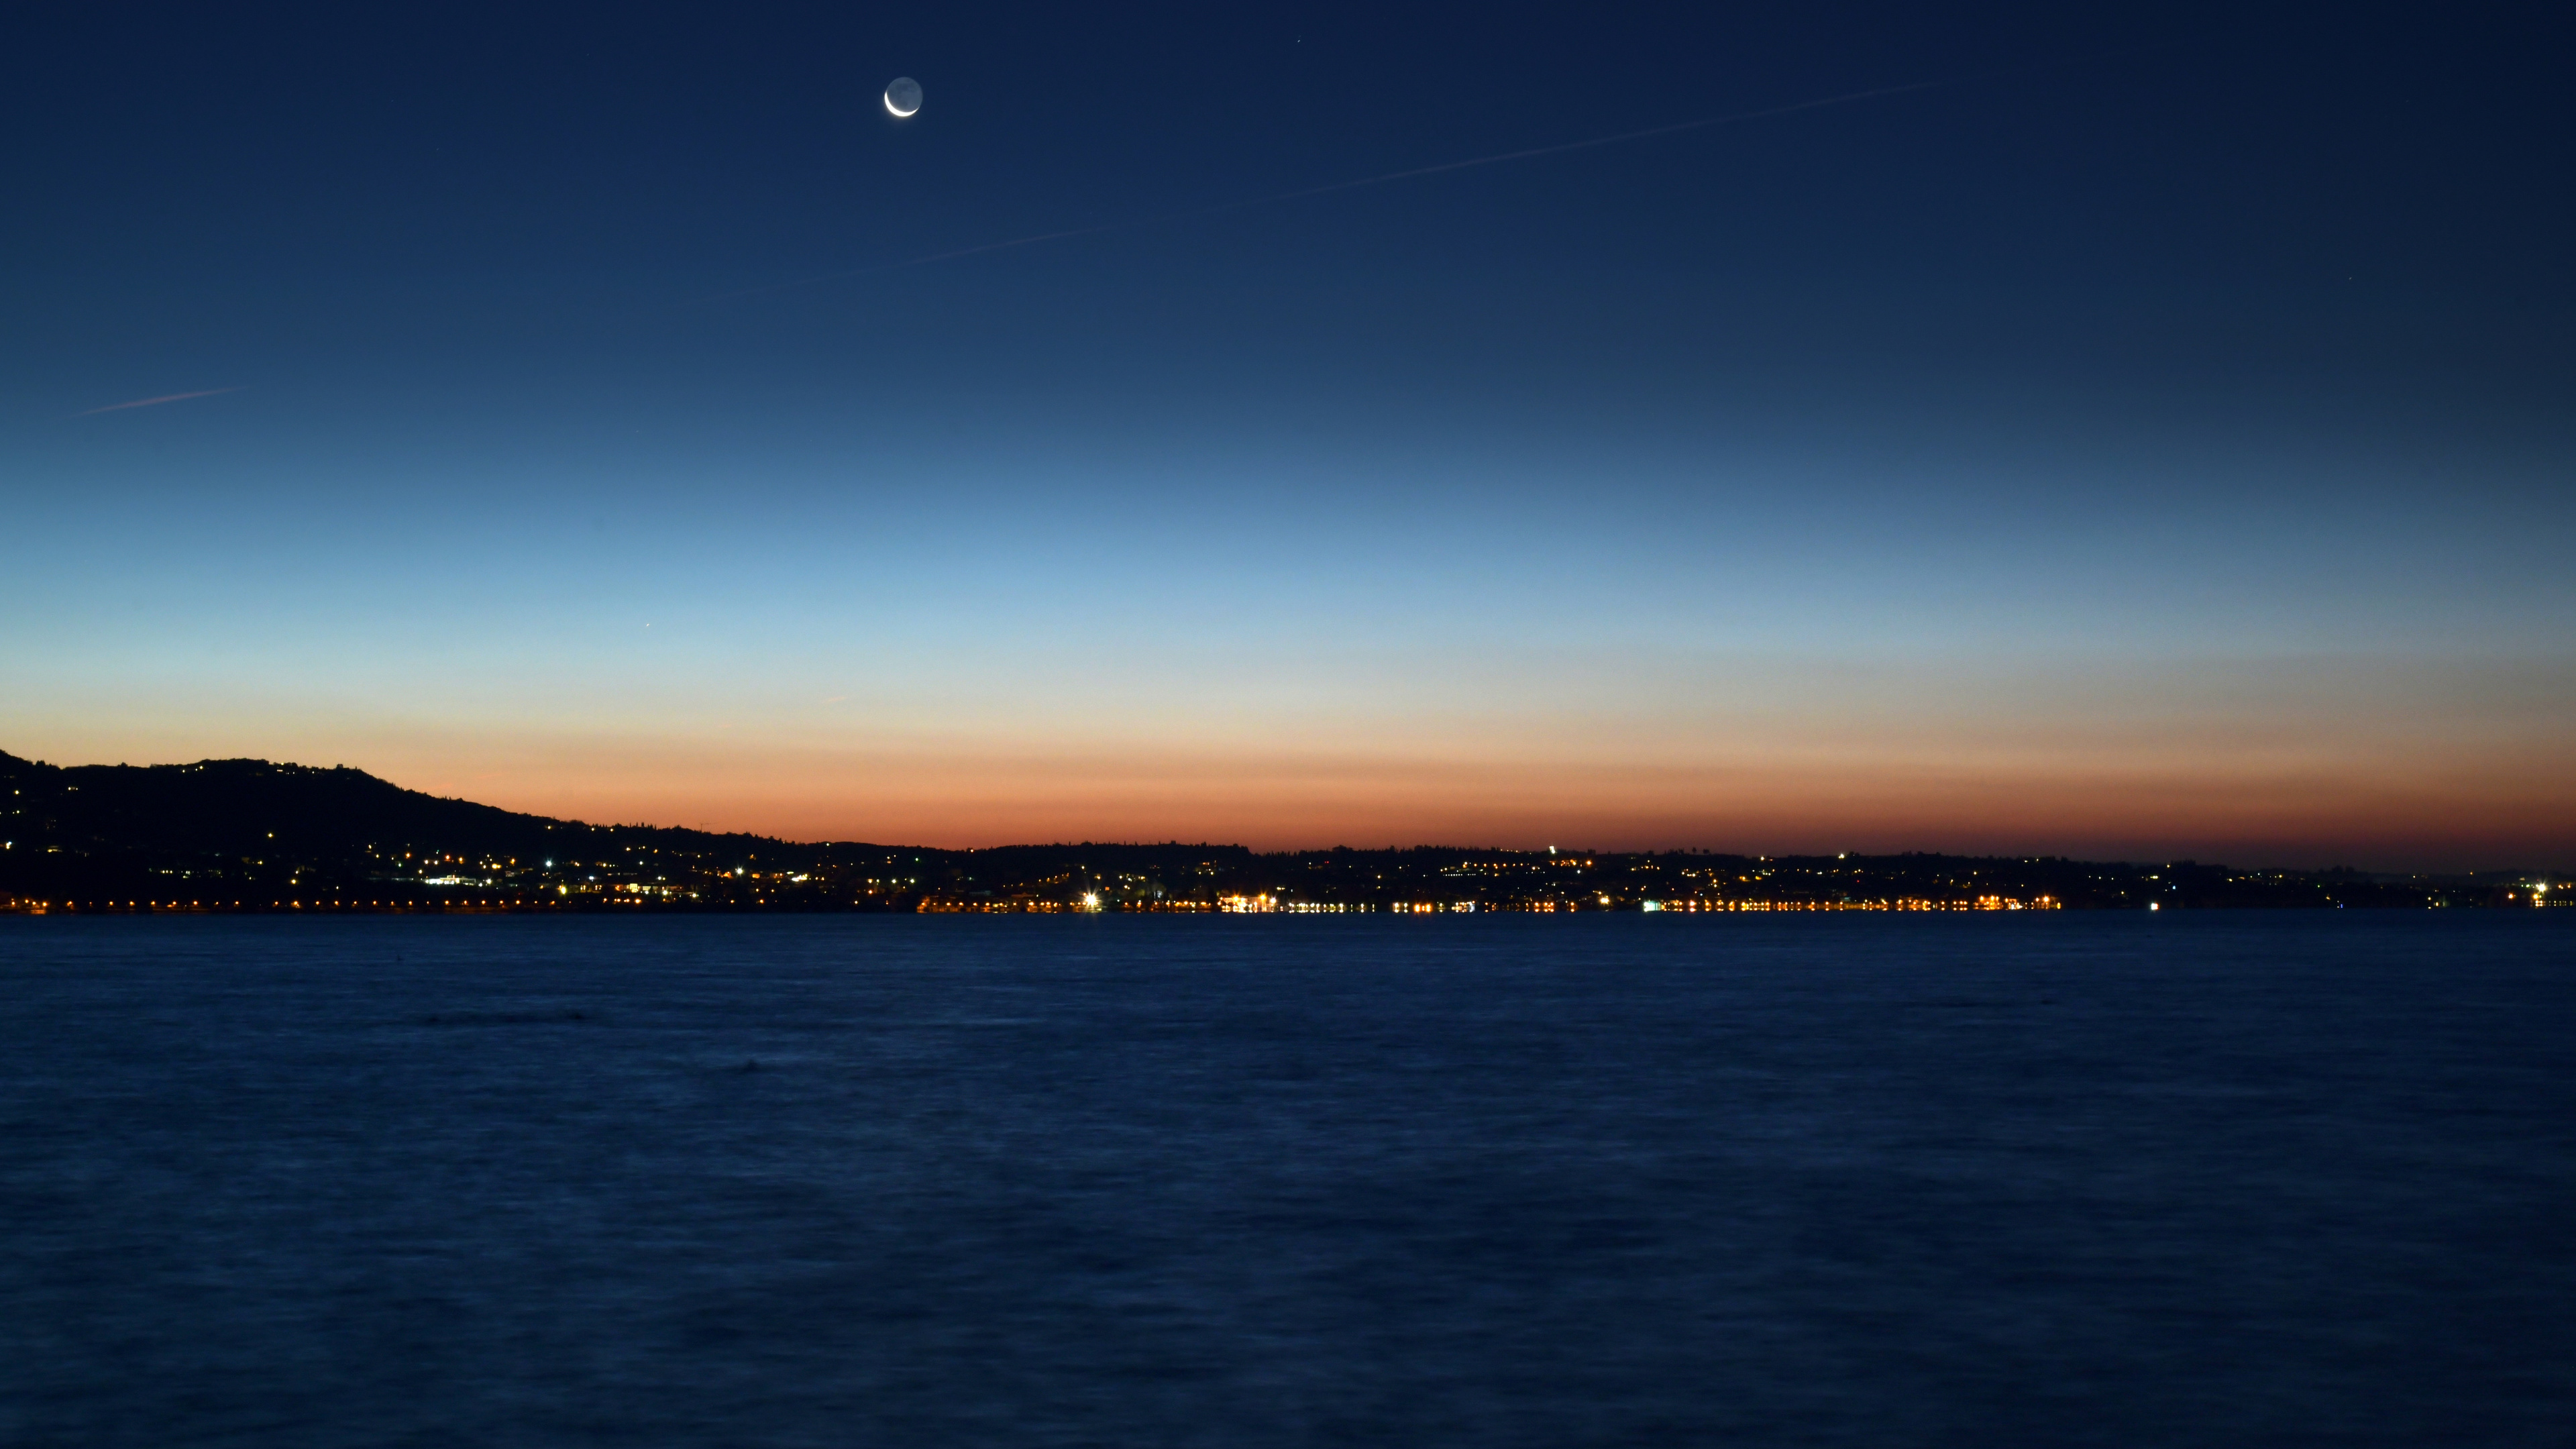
(2153, 439)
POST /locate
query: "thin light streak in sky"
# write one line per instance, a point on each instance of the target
(154, 402)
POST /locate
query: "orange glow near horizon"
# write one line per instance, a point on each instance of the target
(2485, 812)
(2449, 768)
(1321, 803)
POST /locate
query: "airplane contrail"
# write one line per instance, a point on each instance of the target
(154, 402)
(1847, 98)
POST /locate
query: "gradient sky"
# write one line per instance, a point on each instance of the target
(2155, 441)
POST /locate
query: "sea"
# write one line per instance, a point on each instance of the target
(2296, 1178)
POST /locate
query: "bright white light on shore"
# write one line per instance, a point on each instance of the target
(1091, 900)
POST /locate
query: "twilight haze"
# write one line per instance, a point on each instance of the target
(2152, 440)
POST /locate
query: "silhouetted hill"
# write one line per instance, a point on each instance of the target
(246, 807)
(240, 806)
(121, 827)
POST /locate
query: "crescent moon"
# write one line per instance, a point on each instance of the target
(903, 98)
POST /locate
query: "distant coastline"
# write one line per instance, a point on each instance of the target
(239, 836)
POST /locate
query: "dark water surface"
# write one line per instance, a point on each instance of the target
(2247, 1179)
